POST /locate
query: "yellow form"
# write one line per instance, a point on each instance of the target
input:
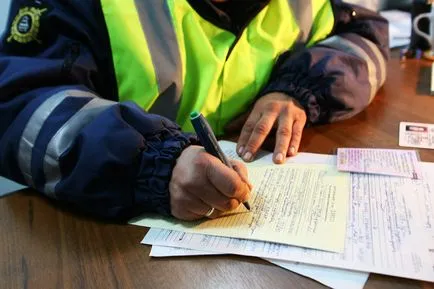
(294, 204)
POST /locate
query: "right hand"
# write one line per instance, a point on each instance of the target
(200, 182)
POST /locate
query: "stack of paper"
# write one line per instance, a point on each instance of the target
(388, 221)
(303, 205)
(331, 277)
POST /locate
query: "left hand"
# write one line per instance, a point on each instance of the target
(273, 110)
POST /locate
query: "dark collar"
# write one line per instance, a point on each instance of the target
(233, 16)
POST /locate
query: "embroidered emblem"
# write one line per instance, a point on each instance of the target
(25, 27)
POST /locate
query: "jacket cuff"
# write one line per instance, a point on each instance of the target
(155, 171)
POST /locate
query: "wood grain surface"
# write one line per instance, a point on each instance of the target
(45, 246)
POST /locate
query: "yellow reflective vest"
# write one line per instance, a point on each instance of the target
(171, 61)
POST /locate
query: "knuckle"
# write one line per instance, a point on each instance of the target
(261, 128)
(252, 146)
(272, 106)
(297, 133)
(202, 167)
(284, 131)
(287, 108)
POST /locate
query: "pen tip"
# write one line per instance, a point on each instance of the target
(247, 205)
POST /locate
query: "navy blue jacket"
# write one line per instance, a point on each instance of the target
(64, 133)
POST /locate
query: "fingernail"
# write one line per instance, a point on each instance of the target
(240, 150)
(292, 150)
(247, 156)
(279, 158)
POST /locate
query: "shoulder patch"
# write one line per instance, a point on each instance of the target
(25, 27)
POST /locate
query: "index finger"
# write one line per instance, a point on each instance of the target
(246, 131)
(227, 181)
(258, 136)
(240, 168)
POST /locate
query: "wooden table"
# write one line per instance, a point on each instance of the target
(43, 246)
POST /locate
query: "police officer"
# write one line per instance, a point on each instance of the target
(95, 95)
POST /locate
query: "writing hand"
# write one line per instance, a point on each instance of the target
(200, 182)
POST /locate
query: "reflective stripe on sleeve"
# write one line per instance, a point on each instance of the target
(34, 126)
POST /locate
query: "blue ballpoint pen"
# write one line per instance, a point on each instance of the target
(209, 141)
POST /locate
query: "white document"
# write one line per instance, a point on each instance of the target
(418, 135)
(163, 251)
(390, 231)
(331, 277)
(7, 186)
(403, 163)
(303, 205)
